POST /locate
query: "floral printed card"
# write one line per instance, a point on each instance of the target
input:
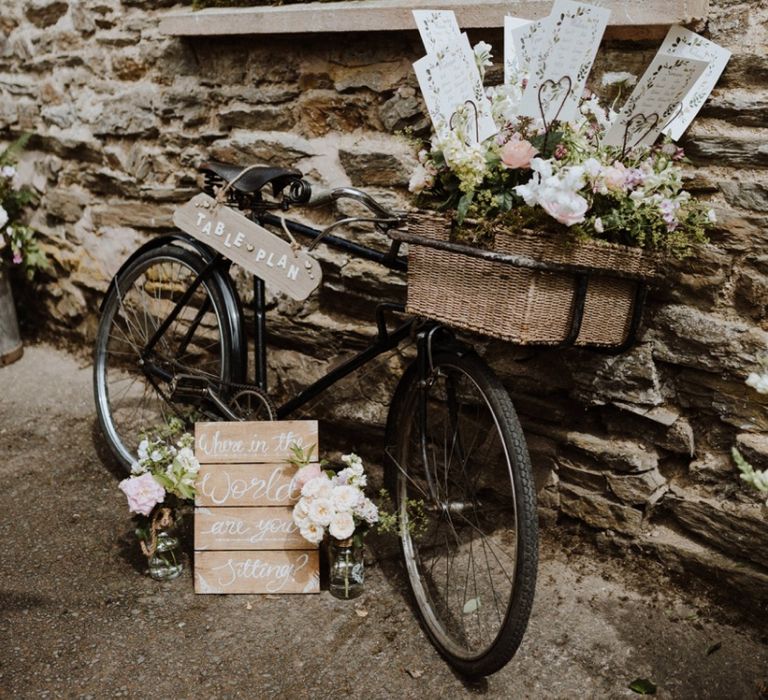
(686, 44)
(526, 43)
(454, 93)
(514, 60)
(438, 28)
(655, 102)
(564, 56)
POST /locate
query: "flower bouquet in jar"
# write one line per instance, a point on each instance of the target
(161, 484)
(334, 503)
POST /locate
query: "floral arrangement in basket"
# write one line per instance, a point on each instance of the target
(556, 175)
(18, 244)
(162, 482)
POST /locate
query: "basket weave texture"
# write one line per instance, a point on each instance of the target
(523, 306)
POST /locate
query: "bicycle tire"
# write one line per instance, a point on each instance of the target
(157, 279)
(410, 441)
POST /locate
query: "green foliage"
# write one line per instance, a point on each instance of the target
(757, 479)
(18, 243)
(390, 522)
(166, 453)
(642, 686)
(300, 457)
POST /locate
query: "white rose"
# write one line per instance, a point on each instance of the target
(3, 217)
(321, 511)
(346, 497)
(312, 533)
(301, 513)
(313, 487)
(342, 526)
(368, 511)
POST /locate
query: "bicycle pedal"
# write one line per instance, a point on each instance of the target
(185, 387)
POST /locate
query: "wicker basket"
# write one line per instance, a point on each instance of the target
(521, 305)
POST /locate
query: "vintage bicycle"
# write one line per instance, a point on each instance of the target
(171, 341)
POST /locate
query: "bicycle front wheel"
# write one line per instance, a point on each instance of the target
(466, 504)
(132, 389)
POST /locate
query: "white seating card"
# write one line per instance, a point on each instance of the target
(451, 84)
(558, 73)
(686, 44)
(515, 61)
(438, 28)
(654, 102)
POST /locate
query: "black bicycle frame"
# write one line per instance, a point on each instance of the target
(384, 341)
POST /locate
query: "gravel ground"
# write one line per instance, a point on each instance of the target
(78, 617)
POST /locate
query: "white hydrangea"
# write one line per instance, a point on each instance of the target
(466, 160)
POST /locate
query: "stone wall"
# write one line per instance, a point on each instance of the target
(635, 446)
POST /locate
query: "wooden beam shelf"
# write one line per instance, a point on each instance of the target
(395, 15)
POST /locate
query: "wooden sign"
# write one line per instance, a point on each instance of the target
(245, 537)
(246, 485)
(246, 528)
(250, 245)
(256, 442)
(257, 572)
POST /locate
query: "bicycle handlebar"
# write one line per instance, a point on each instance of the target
(321, 196)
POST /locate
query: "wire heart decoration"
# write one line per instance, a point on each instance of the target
(549, 91)
(637, 125)
(461, 114)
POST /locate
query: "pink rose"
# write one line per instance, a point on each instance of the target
(615, 177)
(568, 208)
(305, 474)
(517, 153)
(143, 493)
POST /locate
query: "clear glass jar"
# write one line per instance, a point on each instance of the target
(347, 570)
(165, 563)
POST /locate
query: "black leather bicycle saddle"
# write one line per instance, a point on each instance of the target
(255, 179)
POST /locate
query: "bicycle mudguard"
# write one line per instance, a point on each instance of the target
(219, 278)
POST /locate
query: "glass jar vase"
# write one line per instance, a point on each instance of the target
(347, 569)
(165, 563)
(161, 545)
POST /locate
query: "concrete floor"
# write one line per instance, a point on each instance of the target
(78, 617)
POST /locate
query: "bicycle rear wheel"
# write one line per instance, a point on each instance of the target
(464, 494)
(132, 390)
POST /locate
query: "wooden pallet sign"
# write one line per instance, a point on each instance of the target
(245, 537)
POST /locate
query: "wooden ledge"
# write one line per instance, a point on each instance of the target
(389, 15)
